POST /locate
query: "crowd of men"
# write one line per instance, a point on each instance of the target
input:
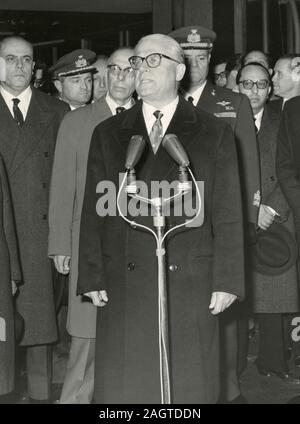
(79, 290)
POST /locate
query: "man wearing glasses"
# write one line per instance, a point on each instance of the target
(117, 262)
(66, 196)
(271, 295)
(233, 108)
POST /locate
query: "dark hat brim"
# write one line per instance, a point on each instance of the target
(273, 251)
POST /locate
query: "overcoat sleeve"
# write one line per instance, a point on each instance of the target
(9, 226)
(248, 157)
(62, 190)
(287, 172)
(227, 220)
(90, 266)
(277, 201)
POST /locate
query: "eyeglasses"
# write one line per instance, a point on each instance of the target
(115, 70)
(221, 75)
(153, 60)
(249, 84)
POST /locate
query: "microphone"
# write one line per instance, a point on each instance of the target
(179, 155)
(175, 150)
(134, 152)
(135, 149)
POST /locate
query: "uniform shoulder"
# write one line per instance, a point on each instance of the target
(49, 101)
(293, 104)
(230, 95)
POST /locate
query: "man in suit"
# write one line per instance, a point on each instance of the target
(73, 77)
(29, 124)
(271, 296)
(73, 81)
(288, 165)
(10, 274)
(286, 80)
(233, 108)
(100, 77)
(117, 261)
(67, 189)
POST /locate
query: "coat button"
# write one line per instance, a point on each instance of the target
(173, 267)
(45, 216)
(272, 178)
(44, 185)
(46, 154)
(130, 266)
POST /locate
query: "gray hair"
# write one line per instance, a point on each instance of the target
(175, 49)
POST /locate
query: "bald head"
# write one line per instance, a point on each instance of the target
(18, 56)
(120, 76)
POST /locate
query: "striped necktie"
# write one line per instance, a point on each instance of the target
(156, 132)
(17, 112)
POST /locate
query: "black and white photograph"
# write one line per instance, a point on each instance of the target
(149, 205)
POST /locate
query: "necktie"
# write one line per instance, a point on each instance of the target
(17, 113)
(190, 99)
(120, 109)
(156, 132)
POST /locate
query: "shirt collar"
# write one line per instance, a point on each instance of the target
(258, 118)
(195, 94)
(24, 98)
(167, 111)
(113, 105)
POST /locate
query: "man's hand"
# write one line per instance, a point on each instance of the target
(221, 301)
(265, 217)
(99, 298)
(62, 263)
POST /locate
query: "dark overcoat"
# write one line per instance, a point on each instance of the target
(121, 259)
(235, 109)
(9, 270)
(274, 294)
(28, 154)
(66, 197)
(288, 159)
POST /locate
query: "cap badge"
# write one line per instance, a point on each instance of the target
(193, 36)
(80, 62)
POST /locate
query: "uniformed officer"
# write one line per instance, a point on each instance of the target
(73, 77)
(197, 43)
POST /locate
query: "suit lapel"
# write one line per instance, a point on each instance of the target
(9, 134)
(160, 166)
(36, 123)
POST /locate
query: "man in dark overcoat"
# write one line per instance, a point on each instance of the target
(117, 262)
(29, 121)
(233, 108)
(66, 197)
(10, 273)
(270, 296)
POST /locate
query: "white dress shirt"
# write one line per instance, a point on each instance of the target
(258, 118)
(24, 98)
(113, 105)
(196, 94)
(167, 111)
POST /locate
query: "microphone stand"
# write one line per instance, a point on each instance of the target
(158, 203)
